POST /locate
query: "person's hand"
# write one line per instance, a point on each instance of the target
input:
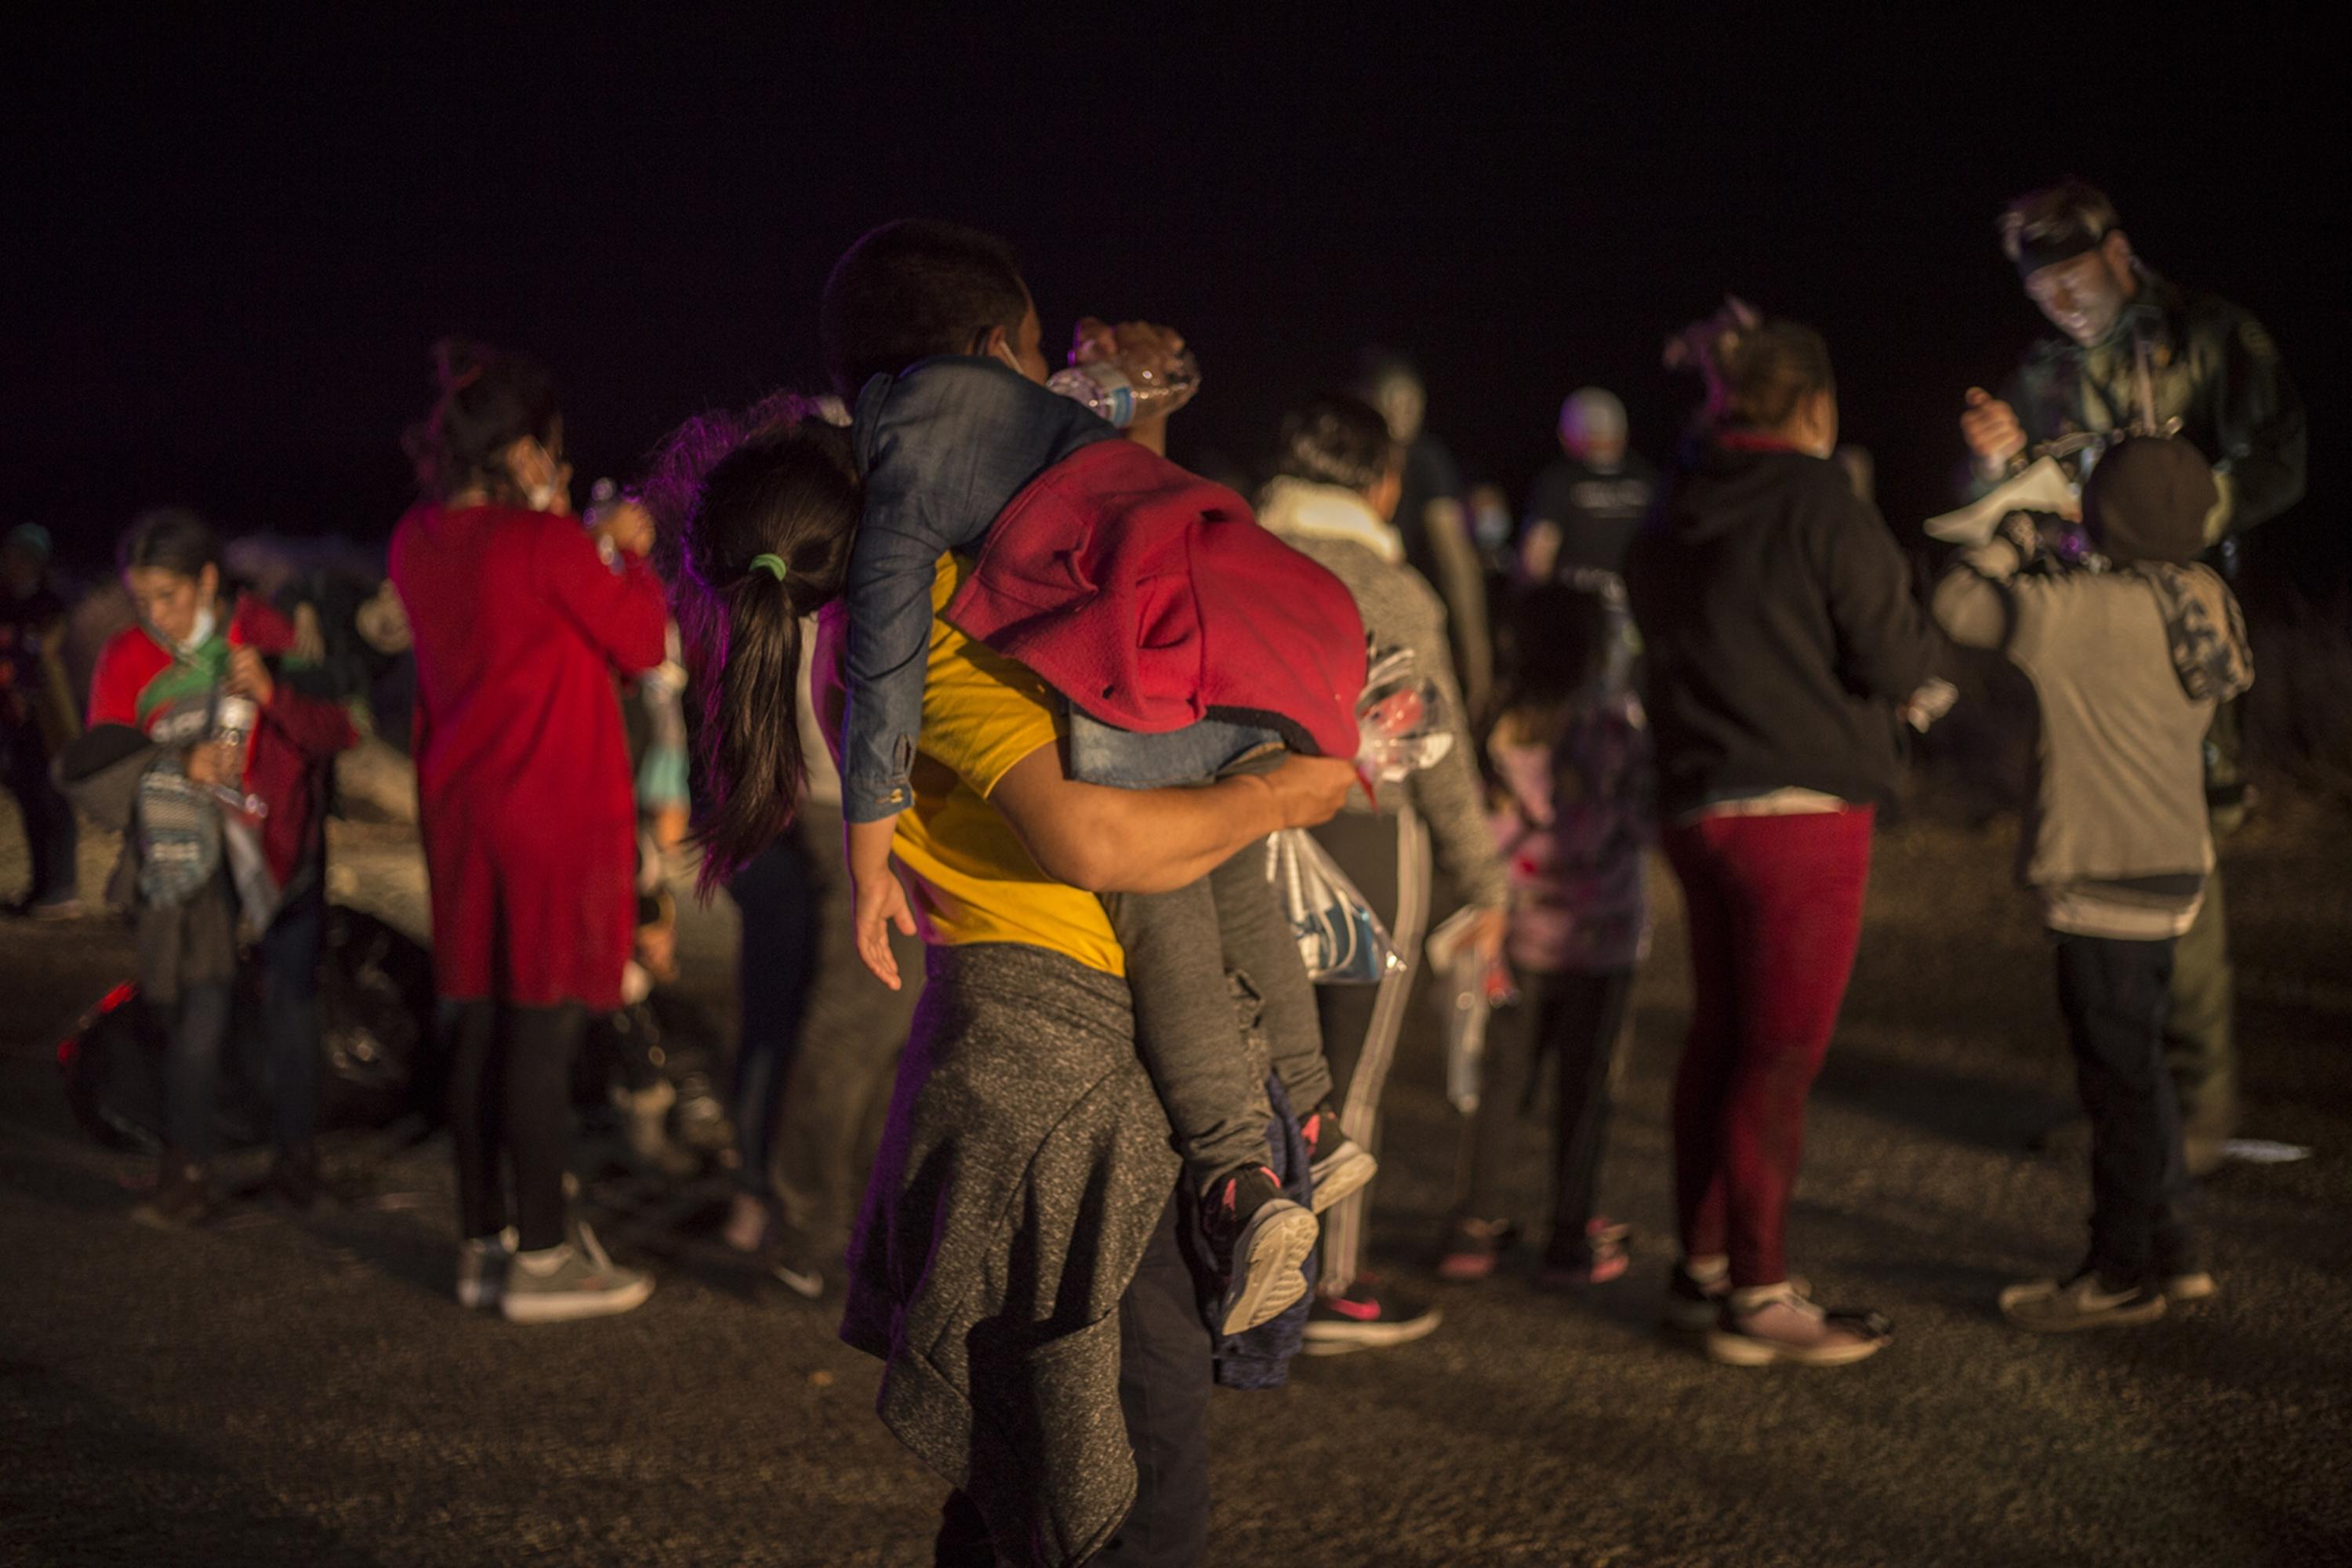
(1989, 426)
(310, 641)
(202, 763)
(880, 903)
(628, 525)
(1486, 934)
(248, 676)
(2022, 534)
(1309, 791)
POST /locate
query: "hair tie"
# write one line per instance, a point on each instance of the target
(772, 565)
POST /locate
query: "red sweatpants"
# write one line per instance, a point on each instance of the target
(1775, 910)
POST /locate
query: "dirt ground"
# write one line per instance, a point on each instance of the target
(273, 1390)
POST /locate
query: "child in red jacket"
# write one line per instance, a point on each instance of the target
(223, 834)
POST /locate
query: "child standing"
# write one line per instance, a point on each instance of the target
(1570, 754)
(2129, 664)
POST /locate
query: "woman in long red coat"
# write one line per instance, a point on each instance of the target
(522, 619)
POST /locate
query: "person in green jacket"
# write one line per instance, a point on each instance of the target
(2138, 355)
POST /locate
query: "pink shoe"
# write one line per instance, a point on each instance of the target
(1473, 1251)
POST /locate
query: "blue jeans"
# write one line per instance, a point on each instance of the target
(943, 446)
(287, 958)
(1100, 754)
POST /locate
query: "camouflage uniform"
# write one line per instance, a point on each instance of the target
(2214, 368)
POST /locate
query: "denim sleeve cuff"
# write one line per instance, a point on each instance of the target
(875, 805)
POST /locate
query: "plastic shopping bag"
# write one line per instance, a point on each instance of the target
(1473, 990)
(1404, 720)
(1340, 940)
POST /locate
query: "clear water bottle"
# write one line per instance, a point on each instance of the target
(1123, 396)
(233, 720)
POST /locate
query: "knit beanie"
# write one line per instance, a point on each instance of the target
(2147, 500)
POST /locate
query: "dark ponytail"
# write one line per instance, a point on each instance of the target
(1764, 373)
(487, 401)
(777, 482)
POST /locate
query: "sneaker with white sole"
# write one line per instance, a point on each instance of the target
(1780, 1324)
(1338, 1165)
(570, 1281)
(482, 1263)
(1260, 1238)
(2084, 1301)
(1366, 1316)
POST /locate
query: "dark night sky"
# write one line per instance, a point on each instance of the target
(231, 243)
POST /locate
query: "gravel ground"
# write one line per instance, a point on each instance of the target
(273, 1390)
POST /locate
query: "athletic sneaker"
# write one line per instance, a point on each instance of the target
(2056, 1307)
(482, 1263)
(1473, 1250)
(1366, 1317)
(1259, 1238)
(1786, 1327)
(573, 1279)
(1339, 1165)
(1608, 1260)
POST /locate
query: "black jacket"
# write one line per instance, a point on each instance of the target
(1780, 627)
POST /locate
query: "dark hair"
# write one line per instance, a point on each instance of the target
(487, 401)
(1335, 438)
(1761, 375)
(2072, 210)
(775, 480)
(172, 538)
(1555, 637)
(913, 289)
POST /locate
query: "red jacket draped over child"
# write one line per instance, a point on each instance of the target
(1151, 599)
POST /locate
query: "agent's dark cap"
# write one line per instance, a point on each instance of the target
(2147, 500)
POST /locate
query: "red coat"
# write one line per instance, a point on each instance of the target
(1151, 599)
(521, 771)
(292, 738)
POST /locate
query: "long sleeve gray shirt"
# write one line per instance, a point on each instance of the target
(1333, 527)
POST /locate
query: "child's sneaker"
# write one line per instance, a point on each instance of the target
(1608, 1258)
(1779, 1324)
(1259, 1238)
(2084, 1301)
(1339, 1165)
(1473, 1250)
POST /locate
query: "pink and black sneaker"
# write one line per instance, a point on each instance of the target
(1338, 1165)
(1259, 1240)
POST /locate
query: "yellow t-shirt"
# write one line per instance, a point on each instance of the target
(970, 878)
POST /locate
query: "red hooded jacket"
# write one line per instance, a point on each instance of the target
(294, 738)
(1151, 599)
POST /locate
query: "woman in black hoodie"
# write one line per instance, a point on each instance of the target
(1783, 639)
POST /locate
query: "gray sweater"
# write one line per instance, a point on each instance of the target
(2121, 797)
(1334, 527)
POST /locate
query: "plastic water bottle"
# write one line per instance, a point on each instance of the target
(232, 721)
(1122, 397)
